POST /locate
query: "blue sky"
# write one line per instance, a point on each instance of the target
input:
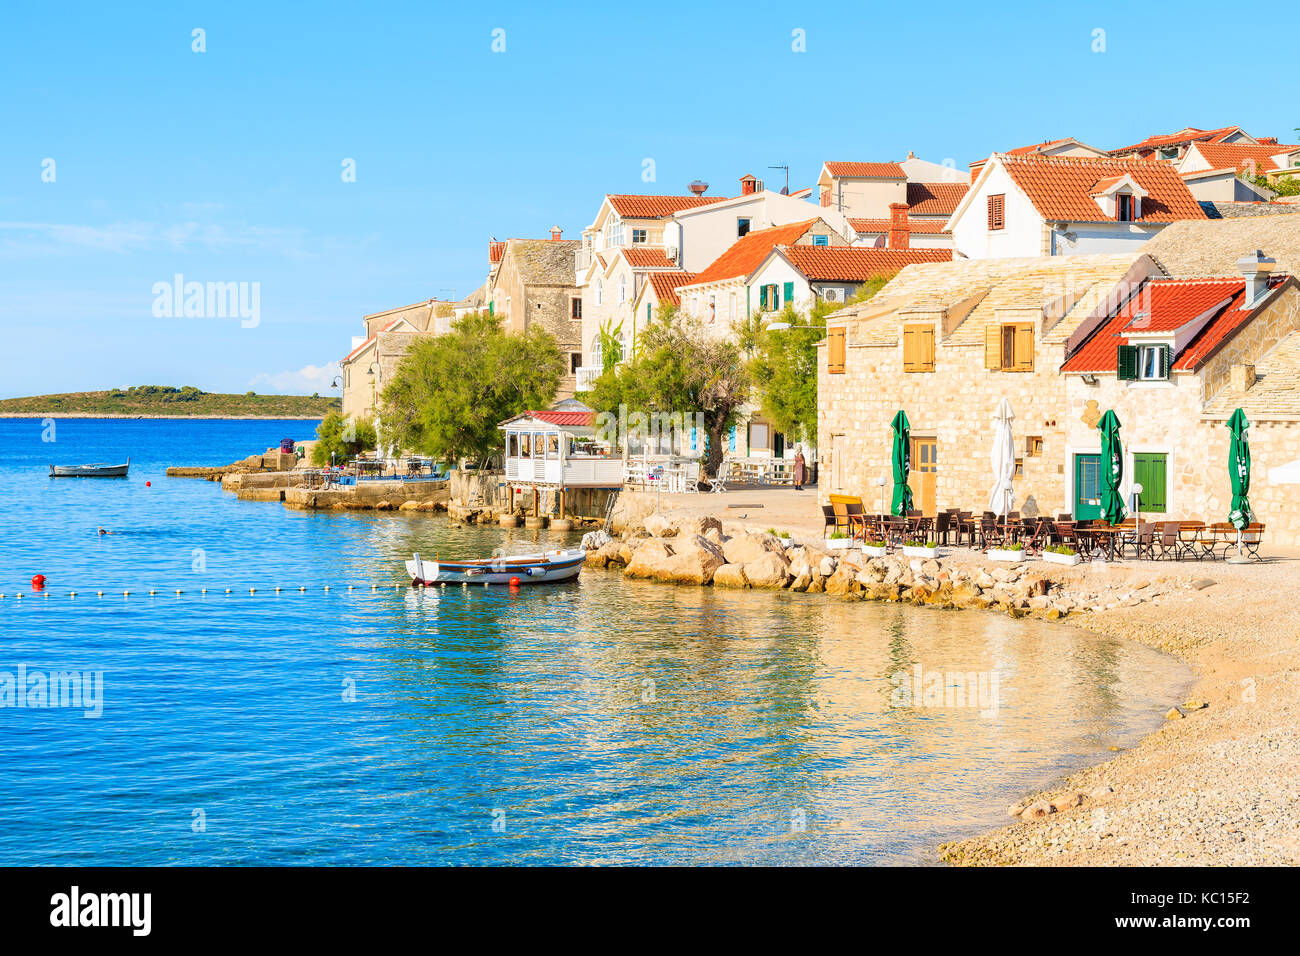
(225, 166)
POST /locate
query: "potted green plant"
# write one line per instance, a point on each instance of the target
(783, 536)
(837, 540)
(1014, 551)
(920, 548)
(1061, 554)
(874, 548)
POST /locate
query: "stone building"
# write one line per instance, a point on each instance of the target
(946, 342)
(1217, 330)
(533, 286)
(375, 355)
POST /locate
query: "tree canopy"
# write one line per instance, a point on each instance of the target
(339, 438)
(678, 367)
(450, 391)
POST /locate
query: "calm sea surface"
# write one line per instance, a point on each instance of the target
(600, 722)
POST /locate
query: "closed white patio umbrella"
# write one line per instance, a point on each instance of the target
(1003, 459)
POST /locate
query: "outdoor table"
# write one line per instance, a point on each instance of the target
(1105, 536)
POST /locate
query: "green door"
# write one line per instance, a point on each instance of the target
(1087, 487)
(1150, 470)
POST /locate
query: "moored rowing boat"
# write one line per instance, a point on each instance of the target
(96, 470)
(546, 567)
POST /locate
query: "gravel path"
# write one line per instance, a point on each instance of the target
(1215, 786)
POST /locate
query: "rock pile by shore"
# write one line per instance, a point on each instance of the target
(692, 549)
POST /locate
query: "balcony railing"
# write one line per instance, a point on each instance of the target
(587, 375)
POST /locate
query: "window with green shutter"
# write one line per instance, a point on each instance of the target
(1126, 363)
(787, 294)
(1150, 470)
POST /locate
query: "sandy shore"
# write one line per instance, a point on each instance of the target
(1212, 787)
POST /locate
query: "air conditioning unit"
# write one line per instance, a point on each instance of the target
(831, 295)
(671, 252)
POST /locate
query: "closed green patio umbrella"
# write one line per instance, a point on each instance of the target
(1239, 470)
(902, 461)
(1112, 469)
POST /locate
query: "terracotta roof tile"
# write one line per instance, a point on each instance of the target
(1165, 305)
(934, 199)
(656, 207)
(747, 253)
(1238, 155)
(857, 263)
(1189, 135)
(647, 257)
(870, 170)
(562, 418)
(917, 227)
(1036, 148)
(666, 284)
(1060, 187)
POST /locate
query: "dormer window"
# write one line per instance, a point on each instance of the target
(1143, 363)
(1124, 207)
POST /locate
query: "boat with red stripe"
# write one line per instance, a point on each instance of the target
(544, 567)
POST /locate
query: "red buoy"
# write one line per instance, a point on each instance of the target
(38, 582)
(148, 484)
(514, 582)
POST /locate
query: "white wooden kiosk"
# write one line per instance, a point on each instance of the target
(556, 449)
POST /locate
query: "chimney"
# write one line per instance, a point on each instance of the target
(556, 232)
(748, 185)
(698, 187)
(975, 168)
(1241, 377)
(899, 235)
(1256, 267)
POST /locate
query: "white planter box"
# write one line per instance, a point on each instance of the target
(997, 554)
(837, 544)
(1070, 560)
(869, 552)
(913, 552)
(786, 543)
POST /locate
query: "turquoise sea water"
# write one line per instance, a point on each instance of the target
(604, 721)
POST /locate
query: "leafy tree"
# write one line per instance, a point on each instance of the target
(783, 363)
(611, 344)
(451, 391)
(678, 367)
(341, 438)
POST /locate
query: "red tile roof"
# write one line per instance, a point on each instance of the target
(656, 207)
(665, 285)
(870, 170)
(1237, 155)
(496, 249)
(647, 257)
(1189, 135)
(1165, 305)
(1036, 148)
(1060, 187)
(362, 347)
(934, 199)
(857, 263)
(747, 253)
(917, 227)
(562, 418)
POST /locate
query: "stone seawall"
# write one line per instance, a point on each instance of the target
(372, 495)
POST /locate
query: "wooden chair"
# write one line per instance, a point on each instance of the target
(1170, 541)
(1252, 538)
(942, 526)
(1144, 541)
(828, 520)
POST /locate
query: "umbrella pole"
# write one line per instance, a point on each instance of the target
(1239, 558)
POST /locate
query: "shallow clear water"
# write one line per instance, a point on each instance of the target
(605, 721)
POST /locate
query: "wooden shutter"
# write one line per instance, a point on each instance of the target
(993, 346)
(918, 348)
(1024, 347)
(1166, 356)
(1126, 363)
(1150, 471)
(997, 210)
(788, 294)
(835, 350)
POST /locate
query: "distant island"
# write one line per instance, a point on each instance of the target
(167, 401)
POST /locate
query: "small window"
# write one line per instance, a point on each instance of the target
(1124, 207)
(997, 212)
(918, 348)
(1009, 347)
(575, 361)
(575, 309)
(1034, 446)
(742, 228)
(1020, 468)
(821, 240)
(1143, 363)
(638, 235)
(835, 351)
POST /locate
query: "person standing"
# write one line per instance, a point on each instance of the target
(799, 466)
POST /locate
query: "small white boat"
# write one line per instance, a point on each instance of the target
(96, 470)
(546, 567)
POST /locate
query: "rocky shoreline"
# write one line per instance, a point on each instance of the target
(692, 549)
